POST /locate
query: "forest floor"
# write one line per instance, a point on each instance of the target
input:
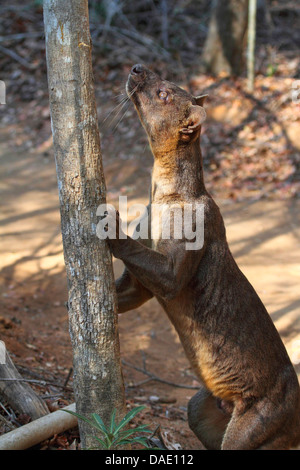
(251, 157)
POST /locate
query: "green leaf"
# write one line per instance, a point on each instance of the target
(103, 443)
(137, 440)
(109, 438)
(140, 440)
(126, 434)
(129, 417)
(99, 423)
(112, 426)
(142, 428)
(133, 431)
(119, 437)
(83, 418)
(123, 442)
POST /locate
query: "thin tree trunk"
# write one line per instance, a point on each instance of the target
(225, 42)
(251, 44)
(98, 381)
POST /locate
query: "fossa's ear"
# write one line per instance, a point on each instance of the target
(195, 120)
(200, 99)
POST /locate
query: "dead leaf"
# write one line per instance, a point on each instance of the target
(168, 440)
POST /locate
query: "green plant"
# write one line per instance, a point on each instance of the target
(271, 70)
(114, 435)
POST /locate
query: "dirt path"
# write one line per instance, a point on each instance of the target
(264, 237)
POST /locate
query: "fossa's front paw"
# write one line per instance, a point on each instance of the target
(110, 228)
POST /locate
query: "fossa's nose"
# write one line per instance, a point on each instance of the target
(137, 69)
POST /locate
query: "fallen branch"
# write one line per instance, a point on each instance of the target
(18, 393)
(158, 379)
(37, 382)
(21, 36)
(37, 431)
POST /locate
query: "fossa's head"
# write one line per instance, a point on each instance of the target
(171, 116)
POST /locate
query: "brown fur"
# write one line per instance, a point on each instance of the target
(250, 394)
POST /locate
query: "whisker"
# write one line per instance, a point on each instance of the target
(133, 90)
(120, 120)
(118, 96)
(118, 109)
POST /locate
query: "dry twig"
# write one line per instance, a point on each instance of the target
(17, 58)
(158, 379)
(35, 381)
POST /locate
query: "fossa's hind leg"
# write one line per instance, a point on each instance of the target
(207, 420)
(264, 425)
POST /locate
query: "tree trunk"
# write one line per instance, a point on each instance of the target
(225, 42)
(98, 380)
(251, 44)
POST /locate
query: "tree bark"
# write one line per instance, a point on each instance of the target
(225, 42)
(98, 380)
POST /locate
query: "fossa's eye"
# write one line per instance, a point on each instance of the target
(163, 94)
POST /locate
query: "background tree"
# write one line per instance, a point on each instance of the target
(98, 382)
(225, 42)
(251, 44)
